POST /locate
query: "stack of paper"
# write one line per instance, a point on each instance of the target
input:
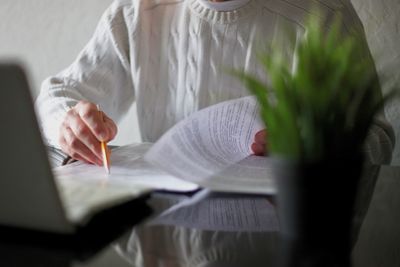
(211, 149)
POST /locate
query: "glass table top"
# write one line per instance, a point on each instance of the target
(215, 229)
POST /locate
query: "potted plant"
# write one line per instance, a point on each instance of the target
(317, 114)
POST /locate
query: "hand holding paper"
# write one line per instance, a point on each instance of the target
(212, 148)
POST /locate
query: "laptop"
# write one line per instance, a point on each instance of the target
(30, 196)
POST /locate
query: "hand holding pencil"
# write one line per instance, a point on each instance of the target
(83, 130)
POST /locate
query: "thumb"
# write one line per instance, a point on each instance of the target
(111, 128)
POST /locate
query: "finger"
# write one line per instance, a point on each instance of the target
(77, 150)
(63, 144)
(68, 151)
(78, 157)
(83, 133)
(261, 137)
(90, 115)
(111, 127)
(258, 150)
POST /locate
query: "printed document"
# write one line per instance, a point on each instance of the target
(212, 148)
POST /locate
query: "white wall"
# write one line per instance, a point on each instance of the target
(47, 35)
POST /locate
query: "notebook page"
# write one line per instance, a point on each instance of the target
(127, 168)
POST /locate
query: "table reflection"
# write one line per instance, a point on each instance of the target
(211, 229)
(193, 234)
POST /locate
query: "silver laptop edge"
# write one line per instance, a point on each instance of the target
(28, 193)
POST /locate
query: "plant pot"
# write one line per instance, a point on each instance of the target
(315, 204)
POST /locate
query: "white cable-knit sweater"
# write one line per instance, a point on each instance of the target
(170, 56)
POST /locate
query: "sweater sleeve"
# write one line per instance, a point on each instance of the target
(100, 74)
(380, 140)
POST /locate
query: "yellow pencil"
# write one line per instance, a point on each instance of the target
(104, 149)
